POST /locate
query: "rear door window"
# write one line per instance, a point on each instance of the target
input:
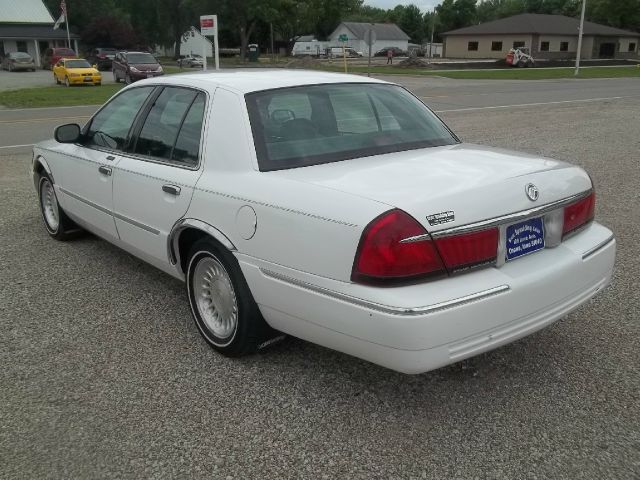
(171, 131)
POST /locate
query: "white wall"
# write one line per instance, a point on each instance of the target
(361, 46)
(12, 46)
(194, 44)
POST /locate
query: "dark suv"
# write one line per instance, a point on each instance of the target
(102, 57)
(132, 66)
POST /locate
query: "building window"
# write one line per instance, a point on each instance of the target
(472, 46)
(564, 46)
(22, 46)
(518, 44)
(496, 46)
(632, 47)
(544, 46)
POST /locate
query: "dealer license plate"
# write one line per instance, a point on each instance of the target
(524, 238)
(88, 79)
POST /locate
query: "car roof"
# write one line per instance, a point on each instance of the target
(243, 81)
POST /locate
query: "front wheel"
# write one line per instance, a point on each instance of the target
(66, 82)
(58, 225)
(221, 303)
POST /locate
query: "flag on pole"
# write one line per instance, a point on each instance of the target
(63, 15)
(59, 21)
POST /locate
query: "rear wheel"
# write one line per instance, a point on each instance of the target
(221, 303)
(55, 79)
(58, 225)
(10, 68)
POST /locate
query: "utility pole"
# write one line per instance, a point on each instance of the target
(433, 27)
(273, 55)
(584, 3)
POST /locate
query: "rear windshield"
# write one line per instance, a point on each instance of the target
(77, 64)
(19, 55)
(311, 125)
(65, 51)
(141, 58)
(108, 50)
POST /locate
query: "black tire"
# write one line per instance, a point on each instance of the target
(250, 328)
(67, 83)
(66, 228)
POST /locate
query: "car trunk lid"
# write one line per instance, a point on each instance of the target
(445, 187)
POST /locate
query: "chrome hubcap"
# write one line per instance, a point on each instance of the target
(215, 297)
(49, 205)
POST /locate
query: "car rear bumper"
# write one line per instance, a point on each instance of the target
(143, 75)
(81, 80)
(418, 328)
(23, 66)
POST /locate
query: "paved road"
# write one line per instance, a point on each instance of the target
(20, 127)
(104, 374)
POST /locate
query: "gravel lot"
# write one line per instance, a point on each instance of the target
(105, 374)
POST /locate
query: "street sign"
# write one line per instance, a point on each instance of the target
(343, 38)
(370, 37)
(209, 25)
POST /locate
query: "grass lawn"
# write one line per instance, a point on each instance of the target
(57, 96)
(506, 74)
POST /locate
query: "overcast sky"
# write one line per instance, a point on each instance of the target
(423, 5)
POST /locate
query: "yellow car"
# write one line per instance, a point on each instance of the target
(76, 71)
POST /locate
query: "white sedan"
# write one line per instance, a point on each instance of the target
(335, 208)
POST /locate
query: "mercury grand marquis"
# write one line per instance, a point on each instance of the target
(338, 209)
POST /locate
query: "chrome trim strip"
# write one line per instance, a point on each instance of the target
(598, 247)
(84, 200)
(416, 238)
(109, 212)
(184, 223)
(392, 310)
(135, 223)
(511, 217)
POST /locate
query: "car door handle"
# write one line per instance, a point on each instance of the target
(172, 189)
(104, 170)
(111, 158)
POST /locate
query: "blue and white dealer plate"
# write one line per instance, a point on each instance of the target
(524, 238)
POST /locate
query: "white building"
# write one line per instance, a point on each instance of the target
(194, 42)
(27, 26)
(386, 34)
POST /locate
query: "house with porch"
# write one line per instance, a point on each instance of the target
(27, 26)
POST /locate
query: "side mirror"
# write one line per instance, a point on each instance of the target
(69, 133)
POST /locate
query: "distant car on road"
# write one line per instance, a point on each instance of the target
(76, 71)
(335, 208)
(190, 60)
(51, 56)
(14, 61)
(336, 52)
(397, 52)
(102, 57)
(133, 66)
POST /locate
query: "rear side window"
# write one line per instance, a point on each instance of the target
(110, 126)
(172, 128)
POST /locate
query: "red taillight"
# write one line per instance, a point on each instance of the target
(383, 257)
(578, 214)
(102, 55)
(460, 252)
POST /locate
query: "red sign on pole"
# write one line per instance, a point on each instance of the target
(208, 25)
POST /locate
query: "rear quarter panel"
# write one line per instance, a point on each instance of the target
(301, 226)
